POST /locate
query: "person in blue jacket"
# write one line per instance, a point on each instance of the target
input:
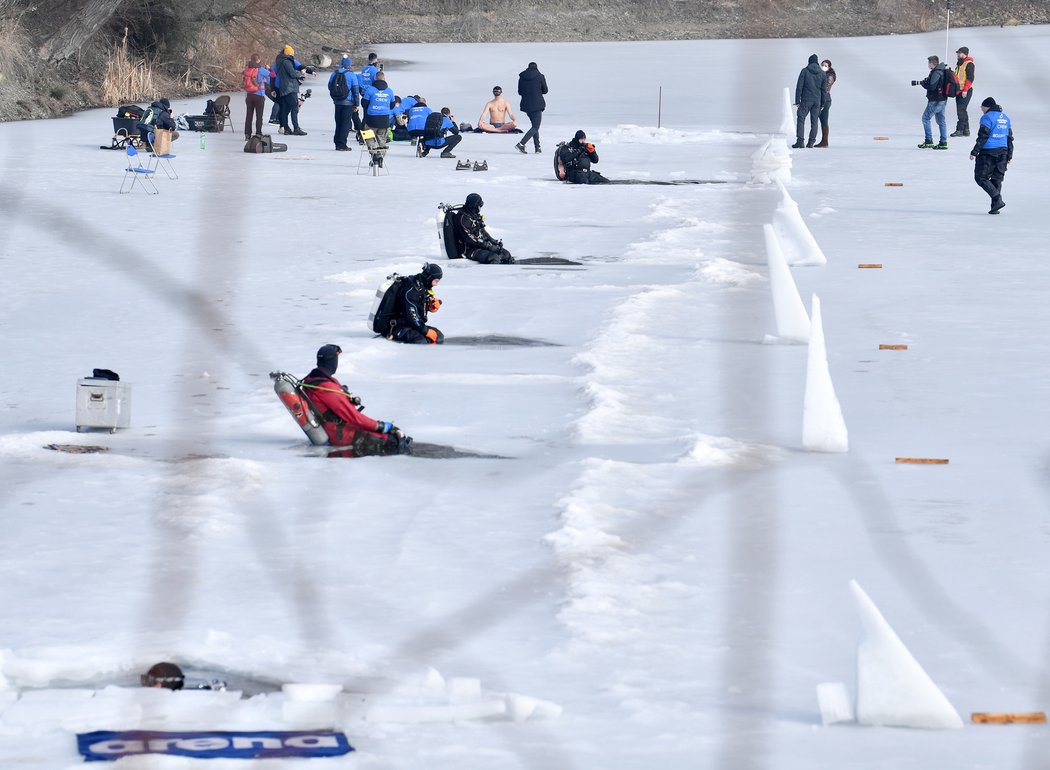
(378, 105)
(993, 152)
(417, 118)
(434, 134)
(370, 71)
(347, 106)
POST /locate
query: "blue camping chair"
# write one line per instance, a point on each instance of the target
(138, 173)
(161, 162)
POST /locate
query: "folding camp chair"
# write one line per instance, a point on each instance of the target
(161, 157)
(138, 173)
(221, 105)
(375, 153)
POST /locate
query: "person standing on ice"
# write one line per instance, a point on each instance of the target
(532, 85)
(341, 416)
(415, 299)
(346, 105)
(993, 152)
(936, 101)
(964, 73)
(575, 158)
(810, 93)
(470, 230)
(825, 111)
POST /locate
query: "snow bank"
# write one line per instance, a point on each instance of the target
(800, 247)
(771, 162)
(792, 321)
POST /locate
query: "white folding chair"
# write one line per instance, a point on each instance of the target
(161, 161)
(138, 173)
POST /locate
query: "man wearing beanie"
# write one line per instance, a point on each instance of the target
(415, 299)
(573, 161)
(345, 90)
(287, 71)
(993, 152)
(341, 415)
(964, 72)
(810, 93)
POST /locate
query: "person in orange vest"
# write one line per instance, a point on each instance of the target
(964, 71)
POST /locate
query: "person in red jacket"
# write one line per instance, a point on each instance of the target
(341, 415)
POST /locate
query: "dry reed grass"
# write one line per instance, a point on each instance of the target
(126, 78)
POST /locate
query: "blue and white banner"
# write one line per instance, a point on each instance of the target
(109, 745)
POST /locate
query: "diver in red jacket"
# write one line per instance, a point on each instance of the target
(341, 415)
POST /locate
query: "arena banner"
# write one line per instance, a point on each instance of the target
(109, 745)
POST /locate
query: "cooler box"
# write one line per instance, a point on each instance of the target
(103, 404)
(201, 122)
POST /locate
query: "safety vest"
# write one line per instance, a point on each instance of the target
(960, 74)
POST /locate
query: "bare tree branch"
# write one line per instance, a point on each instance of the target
(80, 28)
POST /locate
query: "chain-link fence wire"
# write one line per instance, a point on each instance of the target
(748, 650)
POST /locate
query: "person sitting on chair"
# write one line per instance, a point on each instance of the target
(157, 115)
(341, 415)
(474, 239)
(576, 156)
(414, 300)
(434, 133)
(500, 115)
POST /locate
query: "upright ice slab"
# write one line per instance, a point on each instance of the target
(823, 429)
(792, 321)
(892, 688)
(800, 247)
(787, 122)
(771, 162)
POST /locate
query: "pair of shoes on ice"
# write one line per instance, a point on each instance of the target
(297, 132)
(959, 133)
(343, 149)
(929, 145)
(464, 165)
(997, 204)
(521, 148)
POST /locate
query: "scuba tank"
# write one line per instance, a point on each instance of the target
(288, 390)
(446, 231)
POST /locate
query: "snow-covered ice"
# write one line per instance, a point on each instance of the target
(655, 576)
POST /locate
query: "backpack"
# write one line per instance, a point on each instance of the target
(385, 304)
(251, 74)
(339, 89)
(452, 248)
(432, 128)
(950, 84)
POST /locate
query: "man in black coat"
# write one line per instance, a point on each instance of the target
(470, 230)
(531, 87)
(810, 93)
(576, 157)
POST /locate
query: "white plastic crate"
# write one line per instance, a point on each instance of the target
(103, 404)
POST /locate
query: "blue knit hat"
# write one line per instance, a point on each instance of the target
(347, 61)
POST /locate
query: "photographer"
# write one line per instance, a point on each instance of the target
(477, 243)
(289, 76)
(936, 101)
(434, 133)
